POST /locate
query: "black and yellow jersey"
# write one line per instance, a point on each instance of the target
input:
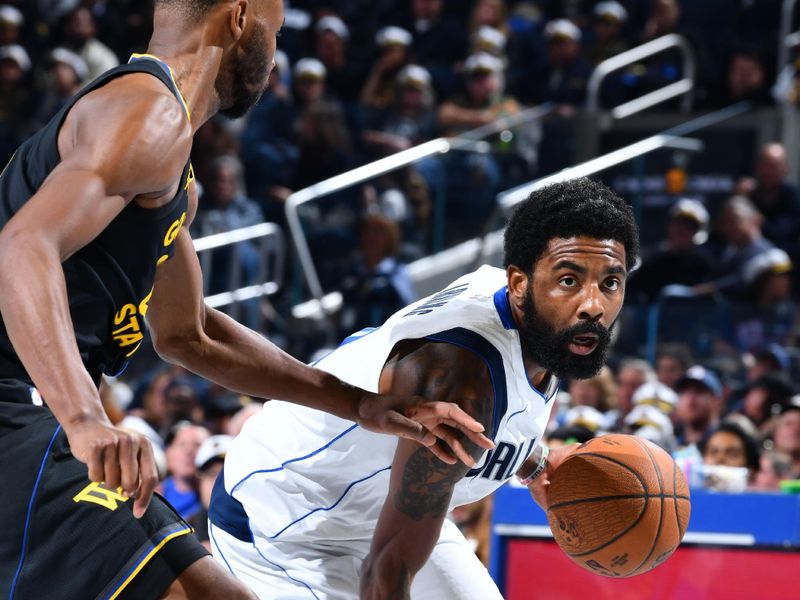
(110, 280)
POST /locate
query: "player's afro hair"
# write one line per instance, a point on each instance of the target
(579, 207)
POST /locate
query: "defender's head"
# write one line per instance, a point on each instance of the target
(568, 250)
(246, 32)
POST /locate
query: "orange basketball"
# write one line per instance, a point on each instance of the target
(619, 505)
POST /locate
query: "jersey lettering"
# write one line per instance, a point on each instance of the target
(502, 462)
(438, 300)
(96, 493)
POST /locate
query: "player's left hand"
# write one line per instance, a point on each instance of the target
(539, 486)
(424, 421)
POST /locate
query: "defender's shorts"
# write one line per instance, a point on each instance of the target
(65, 538)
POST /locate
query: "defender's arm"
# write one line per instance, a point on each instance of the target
(421, 485)
(211, 344)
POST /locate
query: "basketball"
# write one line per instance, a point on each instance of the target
(619, 505)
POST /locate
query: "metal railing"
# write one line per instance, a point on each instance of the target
(272, 254)
(469, 141)
(786, 38)
(682, 87)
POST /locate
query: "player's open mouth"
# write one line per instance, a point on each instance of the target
(584, 344)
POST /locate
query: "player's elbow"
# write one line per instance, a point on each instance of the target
(385, 576)
(23, 253)
(178, 346)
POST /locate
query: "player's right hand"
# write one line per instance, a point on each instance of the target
(117, 458)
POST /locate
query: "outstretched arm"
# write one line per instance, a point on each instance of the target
(211, 344)
(421, 485)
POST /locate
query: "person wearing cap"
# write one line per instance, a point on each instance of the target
(607, 40)
(490, 40)
(700, 404)
(15, 98)
(656, 394)
(65, 73)
(392, 44)
(208, 463)
(763, 359)
(11, 20)
(331, 41)
(679, 259)
(786, 435)
(474, 179)
(776, 198)
(650, 423)
(566, 72)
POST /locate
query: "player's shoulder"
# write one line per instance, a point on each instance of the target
(136, 106)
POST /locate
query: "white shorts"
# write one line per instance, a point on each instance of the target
(289, 571)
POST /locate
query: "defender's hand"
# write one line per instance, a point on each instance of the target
(117, 458)
(424, 421)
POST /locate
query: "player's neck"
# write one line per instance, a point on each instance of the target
(195, 63)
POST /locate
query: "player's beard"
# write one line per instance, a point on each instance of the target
(241, 85)
(550, 348)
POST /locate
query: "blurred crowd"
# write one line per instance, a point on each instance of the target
(712, 307)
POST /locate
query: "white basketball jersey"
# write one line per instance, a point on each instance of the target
(302, 474)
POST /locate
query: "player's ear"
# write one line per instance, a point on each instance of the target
(238, 18)
(517, 284)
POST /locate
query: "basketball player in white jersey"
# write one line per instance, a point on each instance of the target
(313, 506)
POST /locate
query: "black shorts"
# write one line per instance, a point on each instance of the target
(63, 537)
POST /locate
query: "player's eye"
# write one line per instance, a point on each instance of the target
(612, 284)
(568, 281)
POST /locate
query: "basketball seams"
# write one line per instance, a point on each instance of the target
(661, 511)
(617, 497)
(675, 499)
(616, 537)
(616, 462)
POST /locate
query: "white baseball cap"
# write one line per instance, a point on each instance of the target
(67, 57)
(415, 76)
(613, 10)
(483, 62)
(333, 24)
(18, 54)
(562, 29)
(213, 448)
(310, 68)
(393, 36)
(11, 15)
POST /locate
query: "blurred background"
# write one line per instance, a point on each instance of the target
(382, 163)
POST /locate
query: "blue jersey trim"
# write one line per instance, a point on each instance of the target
(469, 340)
(216, 545)
(335, 504)
(227, 513)
(274, 564)
(30, 512)
(503, 308)
(299, 458)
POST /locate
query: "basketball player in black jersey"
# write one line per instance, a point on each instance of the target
(93, 241)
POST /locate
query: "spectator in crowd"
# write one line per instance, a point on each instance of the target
(491, 41)
(379, 91)
(65, 74)
(224, 207)
(15, 98)
(489, 13)
(587, 417)
(607, 39)
(648, 422)
(567, 72)
(767, 312)
(731, 446)
(79, 34)
(766, 359)
(672, 360)
(220, 408)
(700, 405)
(775, 197)
(632, 373)
(237, 421)
(182, 401)
(331, 40)
(743, 240)
(567, 435)
(180, 487)
(208, 464)
(658, 395)
(473, 179)
(786, 436)
(11, 20)
(410, 120)
(748, 78)
(377, 284)
(763, 399)
(679, 259)
(599, 392)
(440, 42)
(774, 467)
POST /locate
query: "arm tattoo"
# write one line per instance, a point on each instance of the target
(427, 483)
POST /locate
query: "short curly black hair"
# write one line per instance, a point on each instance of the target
(194, 8)
(579, 207)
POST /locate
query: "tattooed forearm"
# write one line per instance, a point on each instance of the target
(427, 485)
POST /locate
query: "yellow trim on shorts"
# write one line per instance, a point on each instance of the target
(146, 559)
(171, 76)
